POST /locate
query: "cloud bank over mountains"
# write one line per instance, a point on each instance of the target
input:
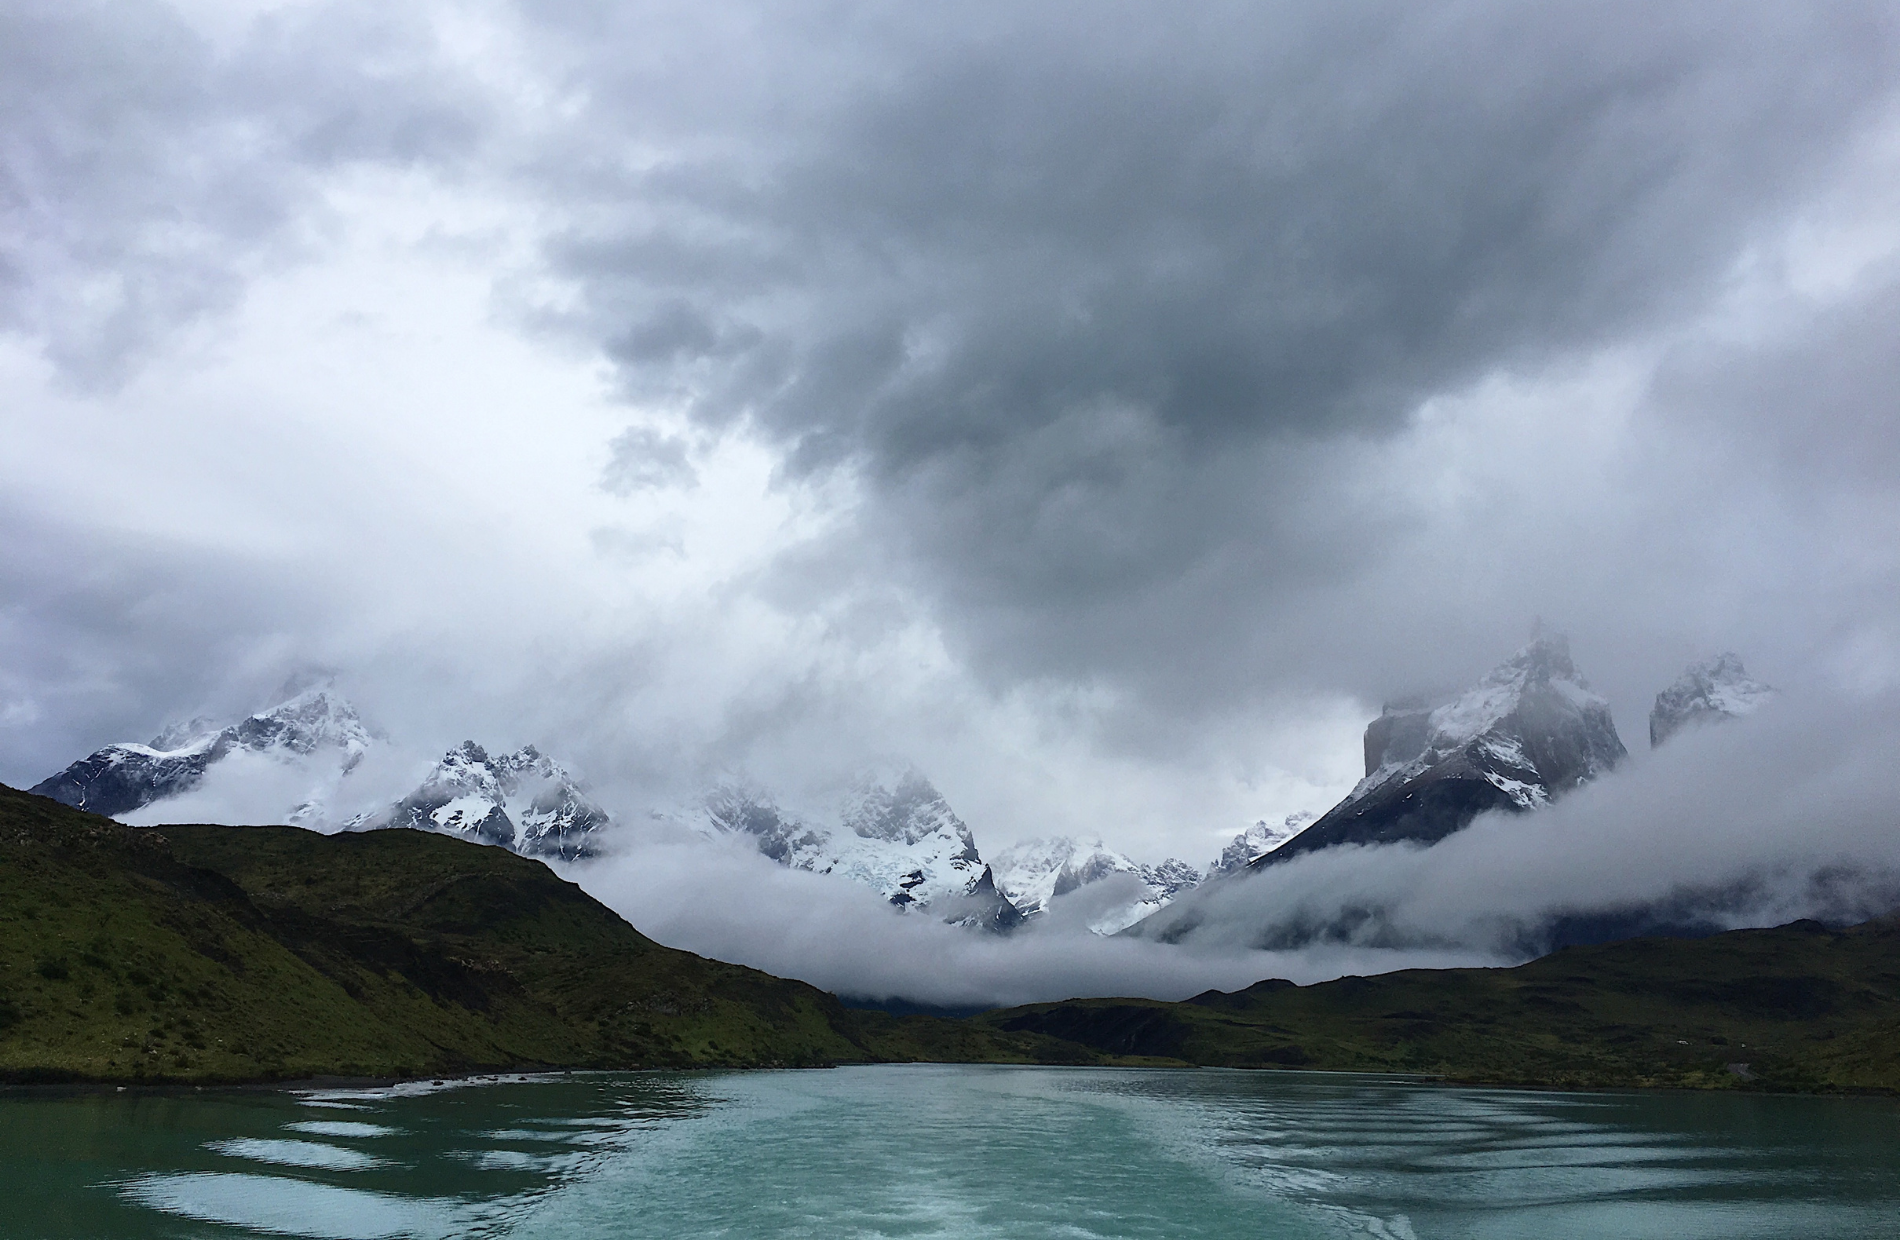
(1790, 814)
(1102, 407)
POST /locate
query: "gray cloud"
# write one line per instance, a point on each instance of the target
(147, 175)
(1096, 302)
(106, 639)
(1129, 382)
(642, 458)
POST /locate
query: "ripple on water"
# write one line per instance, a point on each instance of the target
(339, 1128)
(296, 1153)
(287, 1207)
(996, 1153)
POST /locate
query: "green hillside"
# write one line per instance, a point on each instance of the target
(1797, 1008)
(257, 953)
(199, 954)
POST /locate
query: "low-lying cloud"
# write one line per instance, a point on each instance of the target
(1791, 814)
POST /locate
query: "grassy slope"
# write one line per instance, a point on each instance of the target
(1803, 1008)
(255, 953)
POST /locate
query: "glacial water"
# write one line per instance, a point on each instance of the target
(946, 1152)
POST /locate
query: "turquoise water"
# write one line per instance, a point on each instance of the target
(946, 1152)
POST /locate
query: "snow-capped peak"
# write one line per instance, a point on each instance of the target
(1539, 680)
(1033, 873)
(523, 800)
(1259, 839)
(185, 735)
(312, 739)
(905, 810)
(312, 720)
(1714, 689)
(892, 831)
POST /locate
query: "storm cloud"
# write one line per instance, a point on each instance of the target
(1102, 406)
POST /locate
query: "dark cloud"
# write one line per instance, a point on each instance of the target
(1129, 381)
(1083, 294)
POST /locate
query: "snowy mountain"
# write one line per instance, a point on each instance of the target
(314, 734)
(1530, 731)
(1033, 873)
(524, 801)
(893, 832)
(1708, 692)
(1257, 841)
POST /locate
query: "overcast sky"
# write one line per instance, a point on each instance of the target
(1104, 406)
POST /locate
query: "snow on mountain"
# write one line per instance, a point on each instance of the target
(524, 801)
(893, 832)
(1033, 873)
(309, 741)
(1256, 841)
(1530, 731)
(1708, 692)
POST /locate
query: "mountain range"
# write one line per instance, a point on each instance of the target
(1526, 734)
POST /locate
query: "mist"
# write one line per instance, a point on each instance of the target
(1791, 814)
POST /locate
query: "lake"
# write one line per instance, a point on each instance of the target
(946, 1152)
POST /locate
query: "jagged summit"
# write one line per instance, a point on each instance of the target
(122, 778)
(1034, 872)
(1707, 692)
(1257, 841)
(1530, 731)
(893, 831)
(524, 801)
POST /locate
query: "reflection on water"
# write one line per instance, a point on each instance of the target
(932, 1151)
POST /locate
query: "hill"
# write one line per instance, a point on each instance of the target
(205, 953)
(1797, 1008)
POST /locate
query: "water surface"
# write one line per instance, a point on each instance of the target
(946, 1152)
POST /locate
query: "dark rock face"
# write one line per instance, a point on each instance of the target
(121, 778)
(1529, 732)
(993, 911)
(1708, 692)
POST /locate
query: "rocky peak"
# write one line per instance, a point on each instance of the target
(524, 801)
(1034, 873)
(1530, 730)
(906, 811)
(892, 831)
(1707, 692)
(1258, 840)
(118, 779)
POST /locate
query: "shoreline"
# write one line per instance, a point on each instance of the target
(321, 1083)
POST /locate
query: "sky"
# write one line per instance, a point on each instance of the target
(1103, 406)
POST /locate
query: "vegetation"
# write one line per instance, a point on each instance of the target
(202, 953)
(1798, 1008)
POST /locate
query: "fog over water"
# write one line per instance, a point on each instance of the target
(1102, 407)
